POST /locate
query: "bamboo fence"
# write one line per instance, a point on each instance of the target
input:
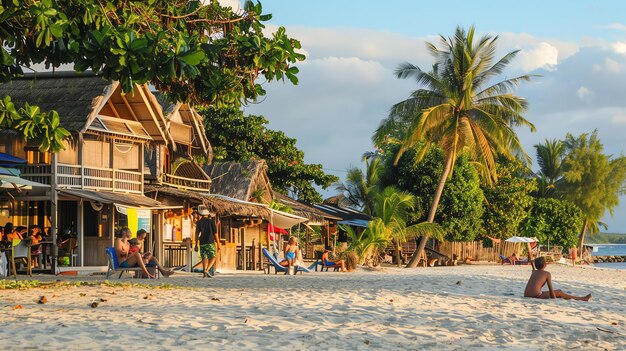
(477, 252)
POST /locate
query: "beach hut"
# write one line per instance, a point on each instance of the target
(96, 182)
(248, 183)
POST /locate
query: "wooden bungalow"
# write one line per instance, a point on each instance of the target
(97, 181)
(247, 182)
(353, 218)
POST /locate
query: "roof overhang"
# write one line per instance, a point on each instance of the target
(284, 220)
(15, 182)
(118, 199)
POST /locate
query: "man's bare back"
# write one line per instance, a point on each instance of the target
(539, 278)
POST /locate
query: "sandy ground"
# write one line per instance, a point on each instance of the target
(449, 308)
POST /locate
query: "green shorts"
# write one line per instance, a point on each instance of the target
(207, 251)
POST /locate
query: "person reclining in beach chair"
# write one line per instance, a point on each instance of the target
(278, 267)
(539, 278)
(327, 263)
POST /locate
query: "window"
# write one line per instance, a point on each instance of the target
(69, 155)
(35, 157)
(96, 153)
(126, 156)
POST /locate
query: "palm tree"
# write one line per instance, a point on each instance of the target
(550, 157)
(360, 188)
(389, 226)
(457, 108)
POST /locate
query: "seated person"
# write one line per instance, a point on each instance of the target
(539, 278)
(513, 258)
(34, 237)
(124, 257)
(292, 255)
(17, 233)
(148, 259)
(328, 263)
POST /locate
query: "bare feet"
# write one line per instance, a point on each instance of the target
(586, 298)
(167, 273)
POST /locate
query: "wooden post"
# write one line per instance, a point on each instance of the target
(242, 235)
(53, 211)
(81, 231)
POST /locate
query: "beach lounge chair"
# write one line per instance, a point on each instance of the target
(278, 268)
(505, 260)
(114, 264)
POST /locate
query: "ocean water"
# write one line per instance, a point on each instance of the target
(616, 265)
(608, 249)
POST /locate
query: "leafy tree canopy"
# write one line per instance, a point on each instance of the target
(555, 221)
(591, 179)
(507, 202)
(461, 208)
(200, 54)
(236, 137)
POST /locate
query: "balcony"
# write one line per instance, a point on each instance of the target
(184, 183)
(93, 178)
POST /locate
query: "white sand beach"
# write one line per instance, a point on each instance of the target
(450, 308)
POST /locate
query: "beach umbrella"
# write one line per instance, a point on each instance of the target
(521, 239)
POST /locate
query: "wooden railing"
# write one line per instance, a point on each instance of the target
(186, 183)
(95, 178)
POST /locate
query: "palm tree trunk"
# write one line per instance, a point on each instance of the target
(433, 209)
(581, 238)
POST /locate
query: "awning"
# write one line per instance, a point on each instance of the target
(283, 219)
(10, 161)
(15, 182)
(121, 199)
(521, 239)
(355, 222)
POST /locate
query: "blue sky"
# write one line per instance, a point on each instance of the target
(352, 47)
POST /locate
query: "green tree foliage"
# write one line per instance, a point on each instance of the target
(200, 54)
(507, 202)
(550, 156)
(461, 207)
(236, 137)
(555, 221)
(390, 210)
(361, 188)
(458, 108)
(591, 180)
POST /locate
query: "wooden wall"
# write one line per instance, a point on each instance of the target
(94, 251)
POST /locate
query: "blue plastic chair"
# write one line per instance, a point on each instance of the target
(279, 268)
(114, 264)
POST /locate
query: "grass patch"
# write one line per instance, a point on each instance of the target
(31, 284)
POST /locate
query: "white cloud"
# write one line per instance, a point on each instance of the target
(619, 47)
(543, 56)
(619, 119)
(612, 66)
(584, 94)
(616, 26)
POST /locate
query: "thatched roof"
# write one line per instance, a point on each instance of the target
(315, 216)
(72, 95)
(240, 180)
(218, 204)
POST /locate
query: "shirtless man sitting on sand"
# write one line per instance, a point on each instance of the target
(539, 278)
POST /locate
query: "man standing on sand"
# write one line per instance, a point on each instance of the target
(206, 236)
(539, 278)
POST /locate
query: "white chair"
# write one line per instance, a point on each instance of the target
(20, 250)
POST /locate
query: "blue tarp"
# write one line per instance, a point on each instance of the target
(7, 160)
